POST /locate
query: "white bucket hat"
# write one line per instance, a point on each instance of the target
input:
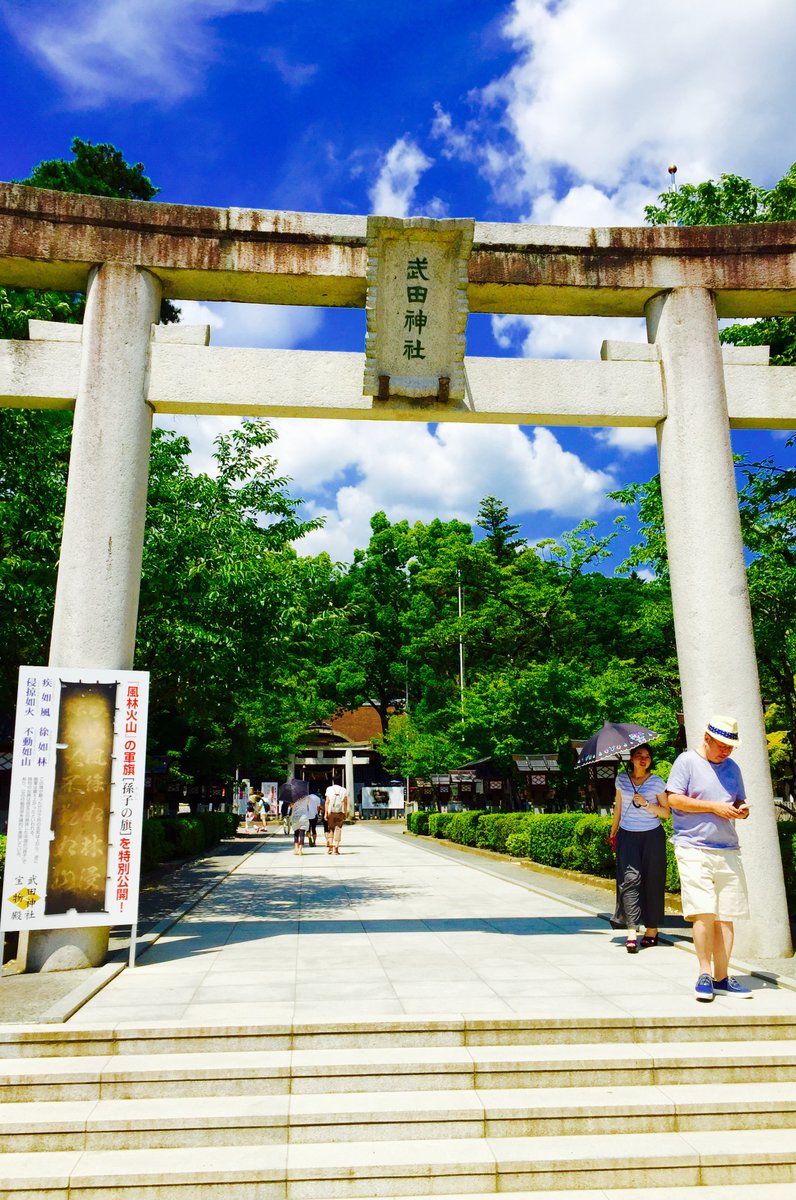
(723, 729)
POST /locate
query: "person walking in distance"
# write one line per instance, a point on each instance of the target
(300, 817)
(705, 791)
(334, 816)
(314, 803)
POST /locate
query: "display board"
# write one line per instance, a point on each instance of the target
(73, 851)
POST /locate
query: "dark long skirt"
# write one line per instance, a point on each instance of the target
(640, 878)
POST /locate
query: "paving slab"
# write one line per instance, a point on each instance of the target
(51, 997)
(391, 927)
(394, 925)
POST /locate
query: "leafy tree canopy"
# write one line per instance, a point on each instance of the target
(733, 200)
(95, 170)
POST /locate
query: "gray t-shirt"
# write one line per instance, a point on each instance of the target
(693, 775)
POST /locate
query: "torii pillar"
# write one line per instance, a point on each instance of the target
(99, 573)
(710, 597)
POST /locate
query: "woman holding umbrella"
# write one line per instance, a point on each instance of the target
(640, 843)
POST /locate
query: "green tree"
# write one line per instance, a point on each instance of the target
(501, 535)
(218, 626)
(33, 469)
(767, 502)
(367, 663)
(539, 669)
(95, 170)
(734, 200)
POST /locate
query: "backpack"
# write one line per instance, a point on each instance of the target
(337, 800)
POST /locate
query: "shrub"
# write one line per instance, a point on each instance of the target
(786, 832)
(154, 847)
(417, 822)
(463, 827)
(590, 850)
(517, 844)
(217, 825)
(438, 824)
(672, 873)
(495, 828)
(185, 834)
(547, 835)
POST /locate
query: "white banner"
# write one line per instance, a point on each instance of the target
(73, 852)
(391, 798)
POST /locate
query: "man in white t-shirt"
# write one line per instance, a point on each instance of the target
(334, 815)
(706, 794)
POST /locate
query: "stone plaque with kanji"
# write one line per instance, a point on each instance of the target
(417, 307)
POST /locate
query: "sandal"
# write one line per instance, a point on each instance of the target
(649, 941)
(631, 945)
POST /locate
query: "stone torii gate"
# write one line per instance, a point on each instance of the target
(117, 370)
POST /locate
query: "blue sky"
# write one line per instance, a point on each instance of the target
(564, 112)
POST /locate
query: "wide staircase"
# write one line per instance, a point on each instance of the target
(700, 1108)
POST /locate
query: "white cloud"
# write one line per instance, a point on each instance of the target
(100, 50)
(603, 97)
(348, 470)
(415, 473)
(627, 440)
(616, 91)
(564, 337)
(591, 206)
(274, 326)
(402, 168)
(295, 74)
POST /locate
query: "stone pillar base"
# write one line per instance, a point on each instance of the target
(62, 949)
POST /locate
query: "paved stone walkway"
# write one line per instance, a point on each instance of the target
(391, 929)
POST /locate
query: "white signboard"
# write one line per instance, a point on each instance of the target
(389, 798)
(73, 851)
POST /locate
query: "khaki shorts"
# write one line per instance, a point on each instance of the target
(712, 881)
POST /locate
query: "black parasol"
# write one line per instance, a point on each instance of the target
(612, 740)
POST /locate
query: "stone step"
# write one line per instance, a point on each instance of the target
(394, 1116)
(401, 1168)
(391, 1068)
(722, 1025)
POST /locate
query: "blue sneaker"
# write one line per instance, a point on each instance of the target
(704, 989)
(731, 987)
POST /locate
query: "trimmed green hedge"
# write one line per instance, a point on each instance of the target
(543, 837)
(417, 822)
(163, 838)
(464, 826)
(590, 851)
(438, 824)
(786, 831)
(575, 841)
(495, 828)
(154, 846)
(672, 873)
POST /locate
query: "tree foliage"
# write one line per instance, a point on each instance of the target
(218, 586)
(733, 200)
(94, 170)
